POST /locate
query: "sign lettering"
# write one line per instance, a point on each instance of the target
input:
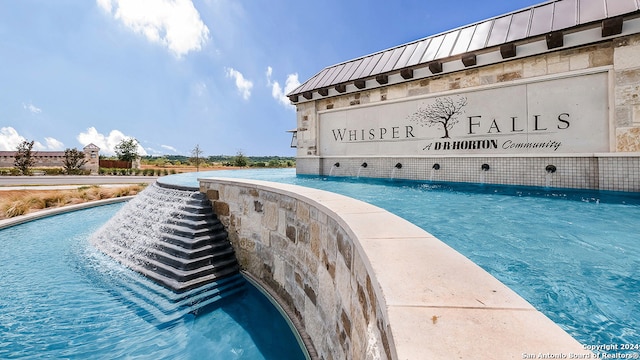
(555, 116)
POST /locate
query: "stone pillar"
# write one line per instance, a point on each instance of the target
(627, 93)
(92, 155)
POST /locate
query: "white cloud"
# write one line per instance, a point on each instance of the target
(10, 139)
(280, 94)
(153, 151)
(31, 108)
(200, 89)
(243, 85)
(175, 24)
(107, 144)
(53, 144)
(160, 152)
(105, 4)
(37, 146)
(170, 148)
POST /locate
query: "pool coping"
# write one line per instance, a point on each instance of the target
(451, 307)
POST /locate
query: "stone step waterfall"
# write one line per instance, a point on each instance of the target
(171, 236)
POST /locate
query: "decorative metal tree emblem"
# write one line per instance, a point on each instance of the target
(444, 111)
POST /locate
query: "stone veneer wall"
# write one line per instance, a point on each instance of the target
(621, 56)
(311, 262)
(54, 159)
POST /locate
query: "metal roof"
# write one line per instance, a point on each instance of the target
(545, 18)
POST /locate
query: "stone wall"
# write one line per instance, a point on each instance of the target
(43, 159)
(619, 58)
(312, 262)
(626, 67)
(556, 63)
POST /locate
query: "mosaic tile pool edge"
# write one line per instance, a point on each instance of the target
(597, 172)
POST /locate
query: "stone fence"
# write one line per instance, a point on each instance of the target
(365, 284)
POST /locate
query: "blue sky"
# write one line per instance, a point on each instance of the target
(176, 73)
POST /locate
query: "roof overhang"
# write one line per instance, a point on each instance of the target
(543, 28)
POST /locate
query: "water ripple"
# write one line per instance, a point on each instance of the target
(57, 301)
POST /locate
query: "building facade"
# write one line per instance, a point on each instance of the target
(45, 159)
(546, 96)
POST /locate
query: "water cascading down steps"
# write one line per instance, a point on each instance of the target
(171, 236)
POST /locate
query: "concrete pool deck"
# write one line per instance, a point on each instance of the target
(436, 303)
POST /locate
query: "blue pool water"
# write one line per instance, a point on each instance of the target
(56, 302)
(574, 255)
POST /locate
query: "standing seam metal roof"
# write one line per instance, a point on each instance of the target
(536, 20)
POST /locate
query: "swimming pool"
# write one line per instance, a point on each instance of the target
(572, 254)
(58, 300)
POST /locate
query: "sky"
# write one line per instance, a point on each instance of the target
(174, 74)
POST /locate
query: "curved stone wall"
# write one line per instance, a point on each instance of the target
(366, 284)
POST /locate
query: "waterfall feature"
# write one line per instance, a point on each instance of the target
(172, 237)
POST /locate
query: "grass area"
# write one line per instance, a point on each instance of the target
(20, 202)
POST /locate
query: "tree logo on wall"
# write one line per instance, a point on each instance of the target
(443, 112)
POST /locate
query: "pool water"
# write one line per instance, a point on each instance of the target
(575, 260)
(574, 255)
(55, 302)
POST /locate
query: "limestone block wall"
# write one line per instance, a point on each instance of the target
(555, 63)
(619, 58)
(92, 156)
(626, 66)
(312, 262)
(307, 128)
(55, 158)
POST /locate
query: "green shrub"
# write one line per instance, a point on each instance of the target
(9, 171)
(51, 171)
